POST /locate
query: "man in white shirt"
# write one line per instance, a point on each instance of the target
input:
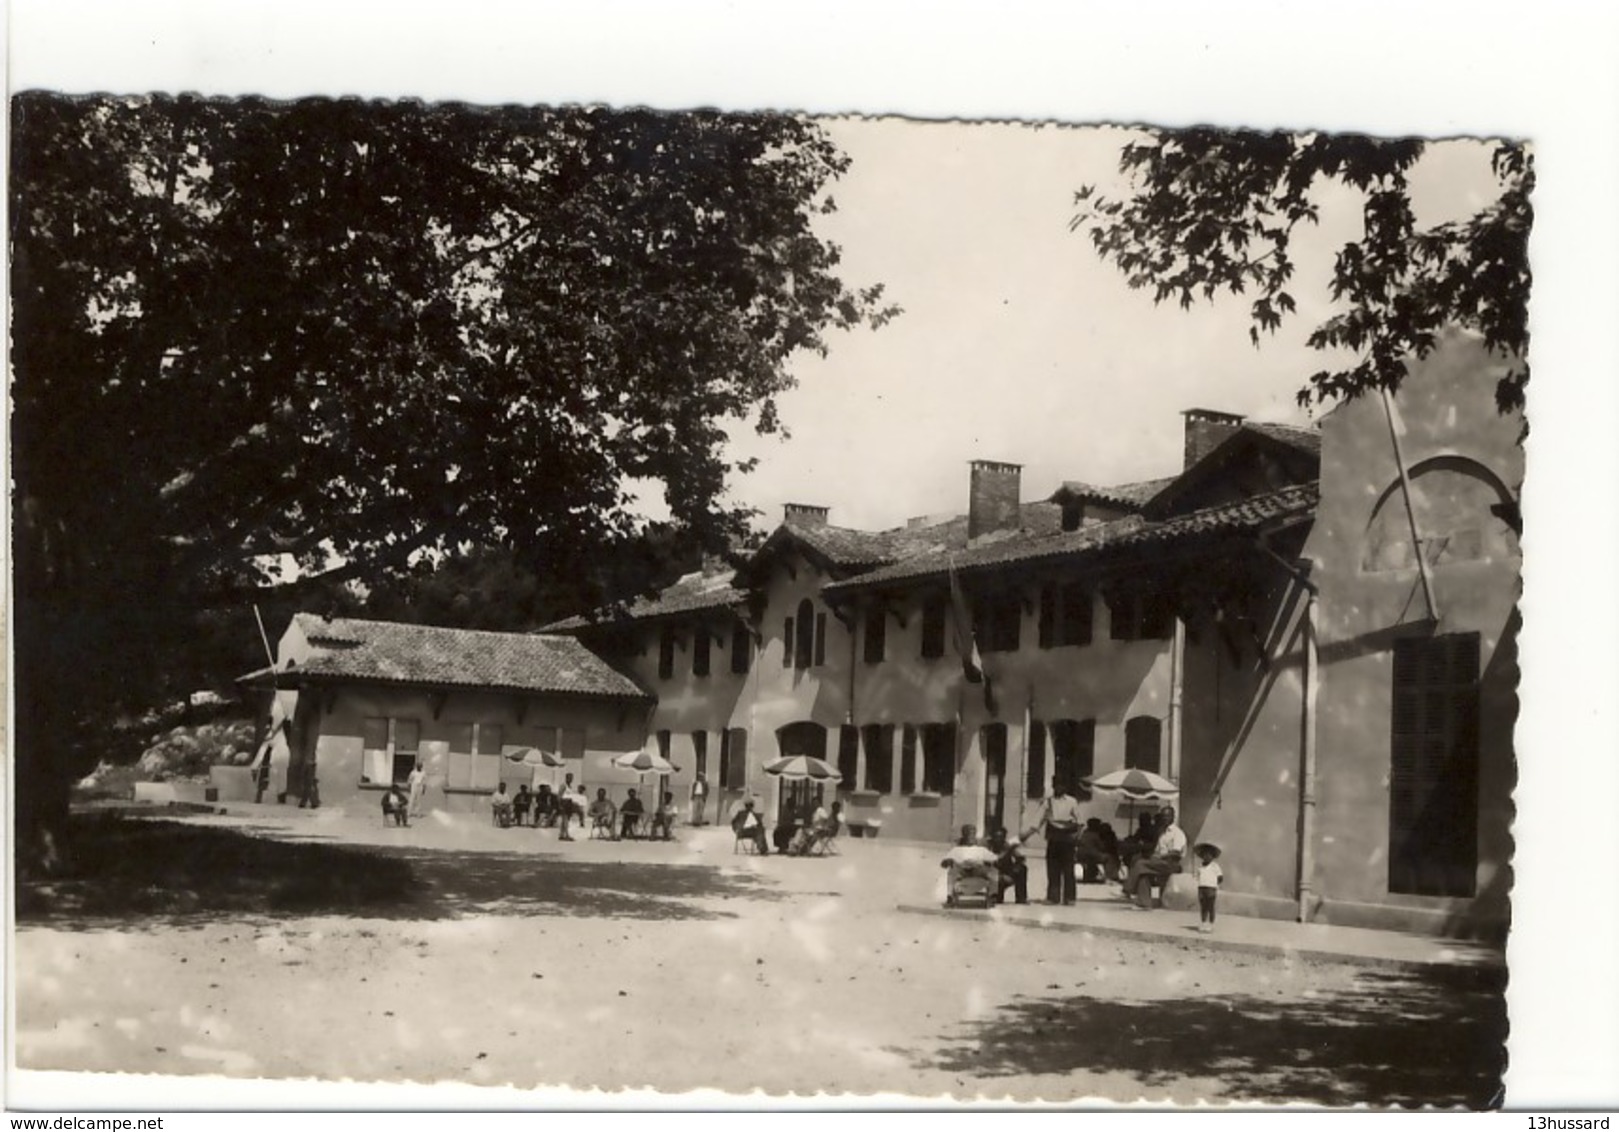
(1165, 860)
(968, 858)
(1058, 821)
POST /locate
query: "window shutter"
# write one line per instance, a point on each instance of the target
(1084, 757)
(1048, 616)
(820, 639)
(741, 650)
(1076, 615)
(787, 651)
(1036, 773)
(848, 755)
(876, 634)
(701, 645)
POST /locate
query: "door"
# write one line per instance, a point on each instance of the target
(993, 742)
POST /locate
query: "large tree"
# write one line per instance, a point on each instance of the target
(263, 344)
(1210, 211)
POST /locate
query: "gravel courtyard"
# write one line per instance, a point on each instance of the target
(320, 945)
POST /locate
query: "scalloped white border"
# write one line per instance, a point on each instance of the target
(1543, 70)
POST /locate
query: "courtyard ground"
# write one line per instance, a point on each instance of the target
(293, 944)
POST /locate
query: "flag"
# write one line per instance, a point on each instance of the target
(972, 664)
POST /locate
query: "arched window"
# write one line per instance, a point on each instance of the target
(1073, 753)
(804, 640)
(1143, 735)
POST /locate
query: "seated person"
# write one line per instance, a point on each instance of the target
(521, 802)
(501, 803)
(825, 825)
(786, 825)
(395, 805)
(630, 814)
(663, 822)
(1011, 864)
(804, 836)
(1093, 855)
(602, 812)
(1141, 842)
(545, 806)
(1163, 863)
(749, 826)
(968, 858)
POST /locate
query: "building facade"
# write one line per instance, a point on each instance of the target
(1335, 705)
(357, 704)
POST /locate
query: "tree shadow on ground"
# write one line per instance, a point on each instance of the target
(129, 873)
(1393, 1040)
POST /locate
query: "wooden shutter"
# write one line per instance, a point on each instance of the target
(1048, 616)
(1035, 786)
(848, 755)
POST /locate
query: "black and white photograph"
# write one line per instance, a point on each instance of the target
(530, 591)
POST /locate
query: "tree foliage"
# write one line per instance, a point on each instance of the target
(337, 335)
(1212, 211)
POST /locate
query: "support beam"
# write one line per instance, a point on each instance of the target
(1410, 513)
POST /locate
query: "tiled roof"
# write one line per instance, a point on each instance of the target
(1130, 531)
(1132, 495)
(1306, 438)
(349, 648)
(694, 592)
(854, 549)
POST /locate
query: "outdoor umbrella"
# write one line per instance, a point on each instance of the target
(1135, 784)
(533, 756)
(645, 762)
(803, 766)
(536, 758)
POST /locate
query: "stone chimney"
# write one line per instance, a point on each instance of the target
(992, 502)
(1205, 430)
(805, 514)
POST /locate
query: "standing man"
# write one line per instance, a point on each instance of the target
(1059, 822)
(1165, 860)
(565, 808)
(699, 798)
(417, 782)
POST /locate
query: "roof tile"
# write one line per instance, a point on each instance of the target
(465, 658)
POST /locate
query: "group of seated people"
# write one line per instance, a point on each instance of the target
(999, 860)
(631, 820)
(1152, 852)
(542, 805)
(796, 834)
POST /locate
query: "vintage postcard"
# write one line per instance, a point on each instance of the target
(565, 598)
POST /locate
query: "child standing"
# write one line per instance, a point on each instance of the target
(1209, 876)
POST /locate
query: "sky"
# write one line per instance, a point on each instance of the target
(1017, 344)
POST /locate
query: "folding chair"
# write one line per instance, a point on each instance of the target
(826, 842)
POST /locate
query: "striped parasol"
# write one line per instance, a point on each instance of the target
(533, 756)
(645, 762)
(803, 766)
(1135, 784)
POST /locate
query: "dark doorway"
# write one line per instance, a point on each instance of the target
(1433, 773)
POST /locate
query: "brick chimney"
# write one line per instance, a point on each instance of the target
(1205, 430)
(805, 514)
(992, 502)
